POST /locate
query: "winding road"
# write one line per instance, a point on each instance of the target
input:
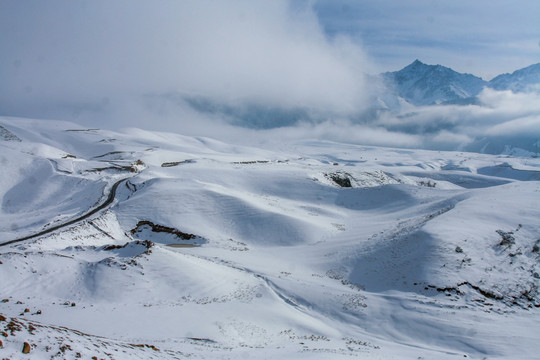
(107, 202)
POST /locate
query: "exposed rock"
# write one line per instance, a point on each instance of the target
(161, 228)
(251, 162)
(7, 135)
(342, 179)
(175, 163)
(26, 348)
(507, 238)
(13, 326)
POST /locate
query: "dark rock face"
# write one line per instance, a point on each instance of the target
(342, 179)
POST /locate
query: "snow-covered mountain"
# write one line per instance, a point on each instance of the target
(153, 245)
(523, 80)
(422, 84)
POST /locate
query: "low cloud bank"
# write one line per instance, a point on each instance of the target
(498, 122)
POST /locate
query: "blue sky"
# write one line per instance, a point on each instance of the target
(483, 37)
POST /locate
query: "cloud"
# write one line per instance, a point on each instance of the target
(246, 71)
(500, 117)
(83, 60)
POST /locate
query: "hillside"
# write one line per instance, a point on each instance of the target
(421, 84)
(163, 246)
(523, 80)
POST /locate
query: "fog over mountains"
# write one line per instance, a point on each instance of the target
(251, 72)
(419, 106)
(418, 84)
(463, 111)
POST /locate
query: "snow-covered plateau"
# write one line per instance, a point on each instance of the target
(152, 245)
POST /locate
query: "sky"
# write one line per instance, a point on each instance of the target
(83, 56)
(135, 63)
(482, 37)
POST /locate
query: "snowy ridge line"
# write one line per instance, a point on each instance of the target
(295, 302)
(409, 226)
(107, 202)
(100, 230)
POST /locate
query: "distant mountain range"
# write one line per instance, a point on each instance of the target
(522, 80)
(422, 84)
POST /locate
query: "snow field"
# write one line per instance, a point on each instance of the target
(425, 255)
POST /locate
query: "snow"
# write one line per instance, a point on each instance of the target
(422, 84)
(426, 255)
(522, 80)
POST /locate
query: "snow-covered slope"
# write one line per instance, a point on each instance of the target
(523, 80)
(422, 84)
(162, 246)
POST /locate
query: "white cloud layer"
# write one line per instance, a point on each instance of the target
(85, 56)
(501, 118)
